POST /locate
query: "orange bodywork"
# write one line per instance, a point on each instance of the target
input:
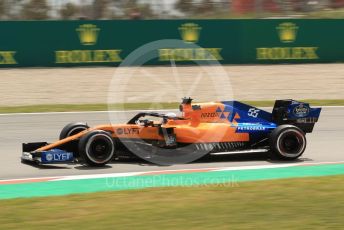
(203, 125)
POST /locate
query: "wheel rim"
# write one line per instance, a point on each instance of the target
(291, 143)
(99, 148)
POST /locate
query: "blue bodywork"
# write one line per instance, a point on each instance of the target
(257, 121)
(252, 120)
(299, 110)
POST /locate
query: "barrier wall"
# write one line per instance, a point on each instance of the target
(108, 43)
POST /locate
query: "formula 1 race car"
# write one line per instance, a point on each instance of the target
(202, 129)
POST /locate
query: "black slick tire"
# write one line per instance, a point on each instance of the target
(287, 142)
(97, 148)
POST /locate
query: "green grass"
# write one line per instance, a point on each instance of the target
(131, 106)
(304, 203)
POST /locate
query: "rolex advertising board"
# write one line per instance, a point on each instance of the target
(293, 41)
(109, 42)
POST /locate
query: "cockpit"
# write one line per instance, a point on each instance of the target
(153, 119)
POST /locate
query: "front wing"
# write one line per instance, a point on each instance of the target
(31, 154)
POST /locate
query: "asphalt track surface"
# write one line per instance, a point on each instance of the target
(325, 144)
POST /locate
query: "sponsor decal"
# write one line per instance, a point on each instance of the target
(208, 115)
(88, 36)
(60, 157)
(127, 131)
(287, 33)
(301, 110)
(119, 131)
(307, 120)
(190, 33)
(56, 155)
(251, 128)
(49, 157)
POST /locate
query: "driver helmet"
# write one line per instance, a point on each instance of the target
(171, 115)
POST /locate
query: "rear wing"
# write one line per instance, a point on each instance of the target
(296, 113)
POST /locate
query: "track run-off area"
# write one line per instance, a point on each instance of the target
(324, 156)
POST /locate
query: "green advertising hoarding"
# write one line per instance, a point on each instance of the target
(109, 42)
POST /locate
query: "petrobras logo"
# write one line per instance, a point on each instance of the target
(251, 128)
(301, 110)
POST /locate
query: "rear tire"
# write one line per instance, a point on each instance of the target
(72, 129)
(288, 142)
(97, 148)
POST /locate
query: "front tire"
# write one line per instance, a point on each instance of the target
(72, 129)
(288, 142)
(97, 148)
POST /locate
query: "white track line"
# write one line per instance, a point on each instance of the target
(236, 168)
(97, 176)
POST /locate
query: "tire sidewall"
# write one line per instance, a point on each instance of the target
(85, 143)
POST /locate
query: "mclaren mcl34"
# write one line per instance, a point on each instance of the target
(212, 128)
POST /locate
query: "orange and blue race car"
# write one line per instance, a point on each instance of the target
(213, 128)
